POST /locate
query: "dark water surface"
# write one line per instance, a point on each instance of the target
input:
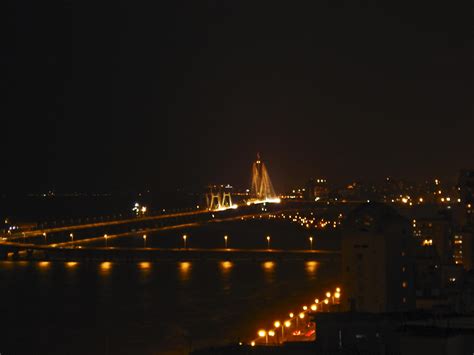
(162, 307)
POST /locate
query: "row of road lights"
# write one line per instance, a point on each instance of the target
(334, 297)
(185, 237)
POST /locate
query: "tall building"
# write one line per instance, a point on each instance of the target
(466, 186)
(377, 260)
(437, 232)
(466, 194)
(464, 249)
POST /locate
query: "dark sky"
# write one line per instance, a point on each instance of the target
(109, 95)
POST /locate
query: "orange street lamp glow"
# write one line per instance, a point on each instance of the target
(316, 300)
(301, 315)
(291, 315)
(262, 333)
(271, 333)
(305, 308)
(326, 301)
(277, 324)
(314, 307)
(338, 289)
(287, 324)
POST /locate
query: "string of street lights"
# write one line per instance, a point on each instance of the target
(185, 240)
(295, 319)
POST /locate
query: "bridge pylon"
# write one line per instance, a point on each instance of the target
(226, 199)
(214, 201)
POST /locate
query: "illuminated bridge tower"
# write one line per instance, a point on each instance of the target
(226, 199)
(262, 188)
(219, 198)
(214, 201)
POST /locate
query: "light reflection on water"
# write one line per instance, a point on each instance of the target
(144, 265)
(184, 270)
(160, 300)
(44, 264)
(225, 267)
(105, 267)
(311, 268)
(268, 265)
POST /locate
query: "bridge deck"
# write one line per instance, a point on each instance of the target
(38, 252)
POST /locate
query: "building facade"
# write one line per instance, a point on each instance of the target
(377, 261)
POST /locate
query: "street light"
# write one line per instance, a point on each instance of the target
(105, 236)
(268, 241)
(326, 301)
(184, 240)
(225, 241)
(316, 300)
(338, 289)
(286, 324)
(305, 308)
(71, 236)
(291, 315)
(262, 333)
(144, 240)
(314, 307)
(44, 235)
(311, 243)
(271, 333)
(277, 325)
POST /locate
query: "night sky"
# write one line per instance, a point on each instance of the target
(114, 95)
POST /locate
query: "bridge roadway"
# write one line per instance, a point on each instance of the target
(39, 232)
(176, 254)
